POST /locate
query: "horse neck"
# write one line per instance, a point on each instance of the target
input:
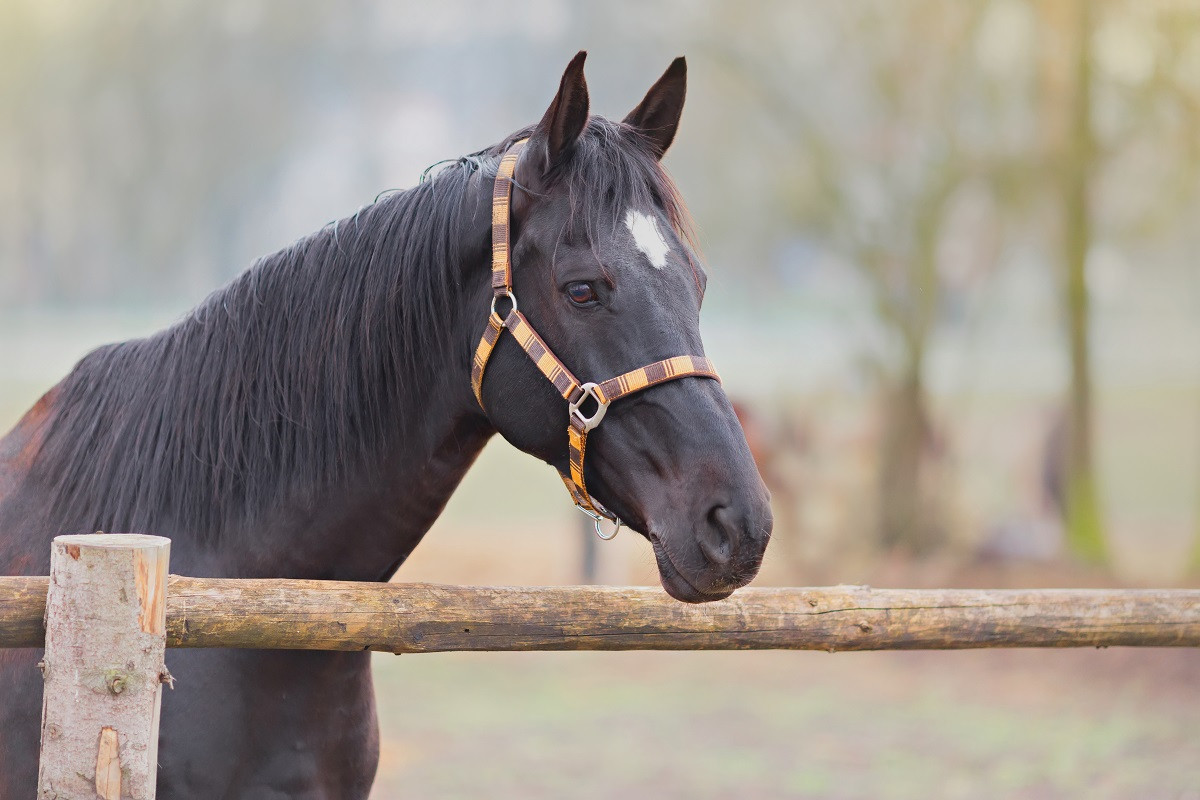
(275, 432)
(364, 525)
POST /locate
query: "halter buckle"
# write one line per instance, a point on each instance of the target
(588, 390)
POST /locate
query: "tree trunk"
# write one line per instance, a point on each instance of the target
(1193, 565)
(905, 520)
(1194, 560)
(1084, 524)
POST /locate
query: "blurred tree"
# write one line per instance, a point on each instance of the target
(925, 135)
(1148, 104)
(135, 137)
(1066, 59)
(917, 106)
(1193, 565)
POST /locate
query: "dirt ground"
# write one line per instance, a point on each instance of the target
(1119, 723)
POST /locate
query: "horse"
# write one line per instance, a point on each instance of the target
(311, 418)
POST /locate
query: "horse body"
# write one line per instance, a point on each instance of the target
(253, 724)
(311, 419)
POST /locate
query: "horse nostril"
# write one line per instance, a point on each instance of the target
(717, 537)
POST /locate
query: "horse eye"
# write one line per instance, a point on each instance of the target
(581, 294)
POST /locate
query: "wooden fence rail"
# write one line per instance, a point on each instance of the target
(422, 618)
(103, 622)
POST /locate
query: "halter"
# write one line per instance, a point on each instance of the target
(577, 394)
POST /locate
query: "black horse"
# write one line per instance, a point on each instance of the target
(311, 419)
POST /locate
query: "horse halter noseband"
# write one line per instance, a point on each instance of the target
(579, 422)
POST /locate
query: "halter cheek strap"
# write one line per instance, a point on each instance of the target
(587, 403)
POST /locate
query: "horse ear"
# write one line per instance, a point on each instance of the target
(657, 116)
(566, 117)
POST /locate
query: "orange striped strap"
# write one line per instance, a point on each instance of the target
(540, 354)
(652, 374)
(501, 264)
(501, 202)
(483, 351)
(581, 421)
(574, 479)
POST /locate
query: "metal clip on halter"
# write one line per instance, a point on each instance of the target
(596, 518)
(512, 298)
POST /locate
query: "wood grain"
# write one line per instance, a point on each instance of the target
(22, 611)
(108, 765)
(423, 618)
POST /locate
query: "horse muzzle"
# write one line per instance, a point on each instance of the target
(722, 551)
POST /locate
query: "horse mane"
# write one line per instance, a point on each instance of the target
(308, 367)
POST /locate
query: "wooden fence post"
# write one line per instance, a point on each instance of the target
(103, 669)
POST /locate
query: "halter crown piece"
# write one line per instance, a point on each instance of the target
(575, 393)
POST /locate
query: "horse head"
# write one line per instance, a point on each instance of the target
(603, 263)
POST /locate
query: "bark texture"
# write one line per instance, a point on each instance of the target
(422, 618)
(419, 618)
(105, 617)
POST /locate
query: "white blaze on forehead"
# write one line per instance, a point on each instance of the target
(647, 237)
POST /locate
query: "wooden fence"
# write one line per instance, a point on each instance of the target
(102, 721)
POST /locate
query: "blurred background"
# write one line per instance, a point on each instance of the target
(953, 290)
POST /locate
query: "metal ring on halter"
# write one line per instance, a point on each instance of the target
(589, 390)
(596, 518)
(512, 298)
